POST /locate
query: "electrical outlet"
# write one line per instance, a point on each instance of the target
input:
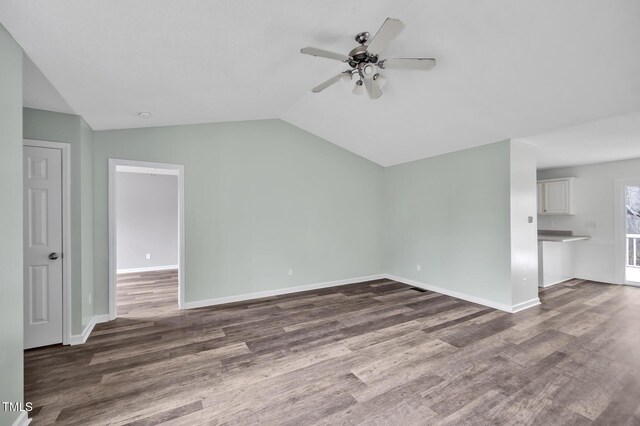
(290, 272)
(90, 298)
(418, 268)
(148, 256)
(524, 282)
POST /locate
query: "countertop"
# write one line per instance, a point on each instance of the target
(562, 238)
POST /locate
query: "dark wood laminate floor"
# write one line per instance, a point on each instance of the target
(369, 353)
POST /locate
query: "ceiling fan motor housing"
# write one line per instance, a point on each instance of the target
(362, 37)
(359, 55)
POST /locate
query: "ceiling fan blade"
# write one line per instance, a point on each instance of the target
(385, 35)
(408, 63)
(373, 88)
(320, 87)
(381, 80)
(314, 51)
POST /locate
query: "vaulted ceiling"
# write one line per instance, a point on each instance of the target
(506, 69)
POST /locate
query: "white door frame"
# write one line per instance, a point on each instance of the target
(619, 227)
(113, 164)
(66, 230)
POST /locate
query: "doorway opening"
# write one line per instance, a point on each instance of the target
(146, 238)
(632, 233)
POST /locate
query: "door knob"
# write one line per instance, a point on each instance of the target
(53, 256)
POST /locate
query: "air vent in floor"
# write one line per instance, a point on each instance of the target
(421, 290)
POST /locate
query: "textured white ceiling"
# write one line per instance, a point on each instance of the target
(505, 68)
(38, 92)
(611, 139)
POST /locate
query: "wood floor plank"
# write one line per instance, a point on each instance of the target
(376, 352)
(167, 415)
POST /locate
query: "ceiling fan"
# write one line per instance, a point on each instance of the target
(364, 60)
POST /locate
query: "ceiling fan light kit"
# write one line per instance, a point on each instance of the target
(364, 61)
(358, 89)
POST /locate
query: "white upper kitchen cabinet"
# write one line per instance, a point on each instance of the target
(540, 197)
(554, 197)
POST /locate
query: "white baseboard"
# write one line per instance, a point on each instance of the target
(22, 420)
(102, 318)
(606, 280)
(468, 298)
(554, 283)
(582, 277)
(288, 290)
(78, 339)
(278, 292)
(525, 305)
(147, 269)
(452, 293)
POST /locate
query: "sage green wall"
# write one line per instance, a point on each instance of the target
(451, 215)
(261, 197)
(71, 129)
(11, 296)
(86, 207)
(524, 235)
(264, 196)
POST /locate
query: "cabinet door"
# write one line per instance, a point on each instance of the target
(556, 197)
(540, 198)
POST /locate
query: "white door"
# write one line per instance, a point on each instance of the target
(556, 197)
(42, 200)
